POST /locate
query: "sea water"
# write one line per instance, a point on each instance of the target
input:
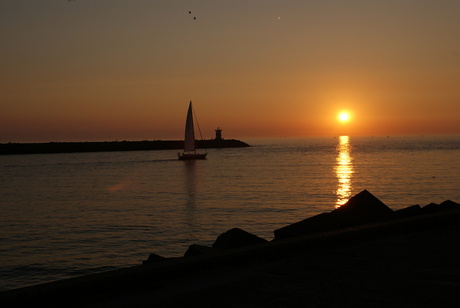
(66, 215)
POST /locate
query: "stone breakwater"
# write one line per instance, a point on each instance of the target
(361, 210)
(360, 255)
(112, 146)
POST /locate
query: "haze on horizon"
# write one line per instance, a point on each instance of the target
(126, 70)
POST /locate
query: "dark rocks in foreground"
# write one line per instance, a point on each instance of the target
(446, 205)
(407, 211)
(153, 258)
(236, 237)
(233, 238)
(404, 258)
(362, 209)
(112, 146)
(196, 250)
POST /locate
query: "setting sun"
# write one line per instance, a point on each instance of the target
(344, 117)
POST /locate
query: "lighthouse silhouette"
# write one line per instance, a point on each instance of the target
(218, 134)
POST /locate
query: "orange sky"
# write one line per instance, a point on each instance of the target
(126, 70)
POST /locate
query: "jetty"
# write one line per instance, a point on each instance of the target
(113, 146)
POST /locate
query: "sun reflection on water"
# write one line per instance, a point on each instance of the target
(343, 171)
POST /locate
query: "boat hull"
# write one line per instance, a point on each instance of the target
(193, 156)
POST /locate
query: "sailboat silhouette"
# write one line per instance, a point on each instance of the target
(189, 152)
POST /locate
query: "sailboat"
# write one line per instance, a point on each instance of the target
(189, 141)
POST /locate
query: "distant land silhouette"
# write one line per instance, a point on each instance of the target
(112, 146)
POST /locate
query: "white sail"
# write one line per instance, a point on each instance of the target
(189, 141)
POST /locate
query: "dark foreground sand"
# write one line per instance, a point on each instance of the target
(404, 263)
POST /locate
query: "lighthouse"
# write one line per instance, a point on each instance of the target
(218, 134)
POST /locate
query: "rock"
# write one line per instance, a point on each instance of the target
(195, 250)
(236, 237)
(153, 258)
(314, 224)
(364, 206)
(360, 209)
(431, 208)
(408, 212)
(434, 207)
(450, 205)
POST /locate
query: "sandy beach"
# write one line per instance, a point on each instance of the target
(410, 262)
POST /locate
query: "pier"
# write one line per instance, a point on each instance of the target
(112, 146)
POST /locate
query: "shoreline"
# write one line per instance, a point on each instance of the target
(112, 146)
(407, 260)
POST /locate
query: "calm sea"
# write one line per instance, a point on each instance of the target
(66, 215)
